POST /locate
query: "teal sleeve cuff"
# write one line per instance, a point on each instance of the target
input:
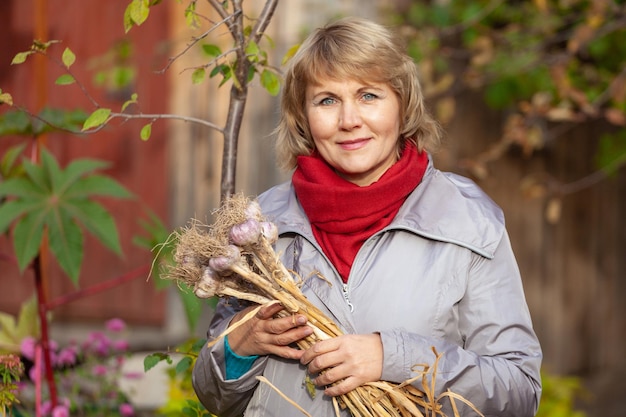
(236, 365)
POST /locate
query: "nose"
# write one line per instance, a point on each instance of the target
(350, 116)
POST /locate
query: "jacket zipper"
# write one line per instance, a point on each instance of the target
(347, 297)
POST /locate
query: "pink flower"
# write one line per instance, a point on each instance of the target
(27, 347)
(98, 343)
(115, 325)
(121, 345)
(66, 356)
(99, 370)
(60, 411)
(134, 375)
(46, 406)
(126, 410)
(35, 373)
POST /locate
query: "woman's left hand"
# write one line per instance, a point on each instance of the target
(351, 359)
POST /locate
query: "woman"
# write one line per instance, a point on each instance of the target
(411, 258)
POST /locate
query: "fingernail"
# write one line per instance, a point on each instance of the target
(301, 320)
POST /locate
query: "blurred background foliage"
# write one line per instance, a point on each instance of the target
(548, 65)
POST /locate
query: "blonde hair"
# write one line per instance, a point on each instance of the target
(351, 48)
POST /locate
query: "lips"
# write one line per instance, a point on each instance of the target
(353, 144)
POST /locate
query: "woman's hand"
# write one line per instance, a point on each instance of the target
(264, 335)
(351, 359)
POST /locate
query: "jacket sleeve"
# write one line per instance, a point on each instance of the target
(498, 367)
(225, 398)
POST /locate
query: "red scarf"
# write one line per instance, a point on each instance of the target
(342, 214)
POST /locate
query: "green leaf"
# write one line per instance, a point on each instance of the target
(59, 119)
(5, 98)
(28, 319)
(219, 69)
(37, 175)
(8, 168)
(139, 11)
(270, 41)
(133, 99)
(68, 57)
(20, 57)
(97, 118)
(252, 48)
(198, 75)
(128, 20)
(11, 210)
(146, 131)
(97, 220)
(290, 53)
(150, 361)
(153, 359)
(96, 185)
(15, 123)
(52, 171)
(15, 329)
(20, 187)
(42, 46)
(270, 81)
(65, 79)
(183, 365)
(66, 242)
(211, 50)
(27, 238)
(191, 17)
(80, 168)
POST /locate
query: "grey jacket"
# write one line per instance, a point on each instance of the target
(441, 275)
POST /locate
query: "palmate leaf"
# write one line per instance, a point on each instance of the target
(20, 187)
(58, 200)
(37, 175)
(8, 166)
(14, 209)
(97, 220)
(78, 169)
(27, 237)
(66, 242)
(96, 185)
(52, 171)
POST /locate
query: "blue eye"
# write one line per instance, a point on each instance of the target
(369, 96)
(327, 101)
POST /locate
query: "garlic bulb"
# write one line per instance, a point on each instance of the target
(223, 263)
(208, 285)
(269, 232)
(245, 233)
(253, 211)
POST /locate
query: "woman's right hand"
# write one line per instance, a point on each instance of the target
(264, 335)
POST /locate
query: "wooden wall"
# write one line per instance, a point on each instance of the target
(574, 270)
(141, 166)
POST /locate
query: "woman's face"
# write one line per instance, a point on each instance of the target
(355, 127)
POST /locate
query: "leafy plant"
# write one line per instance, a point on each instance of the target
(15, 329)
(181, 399)
(550, 66)
(559, 396)
(87, 374)
(11, 369)
(48, 198)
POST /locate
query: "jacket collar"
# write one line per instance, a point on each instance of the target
(444, 207)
